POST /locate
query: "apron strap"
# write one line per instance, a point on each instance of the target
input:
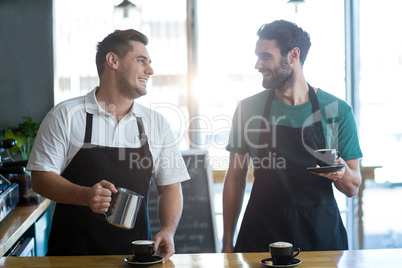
(313, 98)
(143, 139)
(142, 135)
(88, 129)
(268, 104)
(319, 130)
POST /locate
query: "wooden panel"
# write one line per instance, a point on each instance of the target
(322, 259)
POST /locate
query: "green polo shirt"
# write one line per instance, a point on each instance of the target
(337, 118)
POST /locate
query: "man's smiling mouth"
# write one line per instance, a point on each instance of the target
(143, 80)
(266, 73)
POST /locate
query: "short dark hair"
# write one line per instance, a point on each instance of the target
(288, 35)
(117, 42)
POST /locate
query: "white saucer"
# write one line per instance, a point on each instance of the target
(268, 262)
(154, 260)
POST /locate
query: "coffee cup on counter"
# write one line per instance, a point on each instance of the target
(326, 157)
(282, 252)
(143, 250)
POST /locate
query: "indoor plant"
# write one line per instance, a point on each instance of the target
(24, 133)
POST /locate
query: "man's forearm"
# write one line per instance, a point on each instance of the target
(233, 194)
(351, 179)
(170, 206)
(58, 189)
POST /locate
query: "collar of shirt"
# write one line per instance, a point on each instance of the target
(92, 106)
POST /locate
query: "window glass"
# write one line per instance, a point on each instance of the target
(226, 43)
(80, 24)
(227, 37)
(380, 87)
(380, 113)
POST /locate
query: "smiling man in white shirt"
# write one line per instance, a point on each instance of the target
(88, 146)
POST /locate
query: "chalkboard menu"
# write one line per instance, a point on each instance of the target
(196, 232)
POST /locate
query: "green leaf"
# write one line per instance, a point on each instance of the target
(25, 134)
(9, 134)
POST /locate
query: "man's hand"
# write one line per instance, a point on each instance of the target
(227, 248)
(100, 196)
(169, 211)
(164, 241)
(336, 175)
(348, 179)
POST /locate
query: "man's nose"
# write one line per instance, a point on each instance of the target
(149, 70)
(258, 64)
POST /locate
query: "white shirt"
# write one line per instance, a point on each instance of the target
(61, 135)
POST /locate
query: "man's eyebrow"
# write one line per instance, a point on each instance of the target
(264, 54)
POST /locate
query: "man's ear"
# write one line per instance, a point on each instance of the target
(112, 60)
(294, 55)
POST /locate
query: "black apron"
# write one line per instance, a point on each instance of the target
(76, 230)
(287, 202)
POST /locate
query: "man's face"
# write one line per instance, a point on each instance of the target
(275, 68)
(134, 72)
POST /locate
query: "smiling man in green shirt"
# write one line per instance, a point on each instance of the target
(278, 130)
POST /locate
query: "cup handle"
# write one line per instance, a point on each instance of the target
(298, 251)
(110, 206)
(338, 154)
(153, 250)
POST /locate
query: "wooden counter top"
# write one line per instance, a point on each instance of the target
(18, 222)
(322, 259)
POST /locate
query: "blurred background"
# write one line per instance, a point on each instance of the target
(203, 57)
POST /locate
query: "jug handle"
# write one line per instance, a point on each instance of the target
(111, 202)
